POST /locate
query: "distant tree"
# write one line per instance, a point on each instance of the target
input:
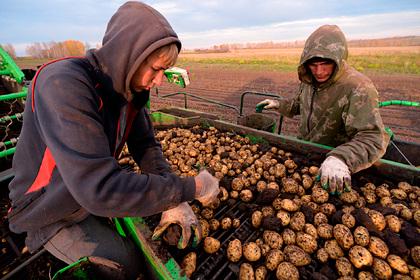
(9, 49)
(54, 49)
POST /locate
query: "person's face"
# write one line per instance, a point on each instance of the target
(149, 74)
(322, 70)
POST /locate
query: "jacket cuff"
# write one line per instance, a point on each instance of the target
(188, 193)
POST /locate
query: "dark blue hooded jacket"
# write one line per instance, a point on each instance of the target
(79, 113)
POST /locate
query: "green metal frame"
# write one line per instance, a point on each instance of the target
(9, 67)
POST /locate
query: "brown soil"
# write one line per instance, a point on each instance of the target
(225, 85)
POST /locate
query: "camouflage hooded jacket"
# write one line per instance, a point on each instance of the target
(342, 112)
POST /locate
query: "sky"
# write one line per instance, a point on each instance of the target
(202, 24)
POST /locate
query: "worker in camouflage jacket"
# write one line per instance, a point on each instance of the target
(338, 107)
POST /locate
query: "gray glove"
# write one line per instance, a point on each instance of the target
(206, 188)
(335, 174)
(185, 218)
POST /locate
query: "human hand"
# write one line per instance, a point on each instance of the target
(268, 104)
(335, 175)
(185, 218)
(207, 188)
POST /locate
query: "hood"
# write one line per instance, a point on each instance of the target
(328, 41)
(134, 32)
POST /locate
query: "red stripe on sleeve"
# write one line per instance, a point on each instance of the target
(45, 172)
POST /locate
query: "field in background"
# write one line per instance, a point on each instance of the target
(404, 60)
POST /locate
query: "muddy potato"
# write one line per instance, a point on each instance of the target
(307, 242)
(319, 195)
(320, 218)
(322, 255)
(251, 251)
(416, 217)
(261, 185)
(378, 219)
(234, 250)
(333, 249)
(365, 275)
(284, 217)
(311, 230)
(261, 273)
(289, 205)
(361, 236)
(343, 236)
(401, 277)
(290, 185)
(307, 181)
(226, 223)
(273, 186)
(273, 239)
(415, 255)
(397, 263)
(234, 194)
(327, 208)
(273, 258)
(189, 263)
(236, 223)
(399, 194)
(382, 191)
(313, 170)
(378, 247)
(211, 245)
(237, 184)
(223, 194)
(264, 249)
(381, 269)
(348, 220)
(393, 223)
(246, 272)
(287, 271)
(289, 236)
(344, 267)
(214, 224)
(207, 213)
(349, 197)
(297, 222)
(246, 195)
(406, 214)
(360, 257)
(256, 218)
(267, 211)
(325, 231)
(296, 255)
(205, 228)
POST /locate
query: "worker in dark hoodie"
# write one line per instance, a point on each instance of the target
(338, 107)
(79, 113)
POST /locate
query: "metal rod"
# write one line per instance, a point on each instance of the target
(395, 146)
(21, 266)
(20, 94)
(17, 116)
(7, 152)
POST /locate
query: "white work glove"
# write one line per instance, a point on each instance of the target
(185, 218)
(206, 188)
(269, 104)
(335, 175)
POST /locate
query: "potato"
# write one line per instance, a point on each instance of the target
(393, 223)
(365, 275)
(236, 223)
(382, 191)
(399, 194)
(378, 219)
(284, 217)
(361, 236)
(416, 217)
(381, 269)
(327, 208)
(273, 258)
(226, 223)
(322, 255)
(267, 211)
(313, 170)
(289, 236)
(261, 273)
(264, 249)
(378, 247)
(237, 184)
(273, 186)
(344, 267)
(415, 255)
(289, 205)
(211, 245)
(343, 236)
(205, 228)
(349, 197)
(297, 222)
(320, 218)
(348, 220)
(251, 251)
(246, 195)
(234, 250)
(207, 213)
(214, 224)
(287, 271)
(397, 263)
(223, 194)
(189, 263)
(256, 219)
(360, 257)
(333, 249)
(311, 230)
(307, 242)
(246, 272)
(296, 255)
(319, 195)
(325, 231)
(273, 239)
(234, 194)
(290, 185)
(261, 185)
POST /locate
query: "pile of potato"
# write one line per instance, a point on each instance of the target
(371, 232)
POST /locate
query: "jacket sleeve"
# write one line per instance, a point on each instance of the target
(144, 147)
(290, 107)
(363, 124)
(68, 117)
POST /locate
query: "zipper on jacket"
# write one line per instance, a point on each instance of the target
(311, 108)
